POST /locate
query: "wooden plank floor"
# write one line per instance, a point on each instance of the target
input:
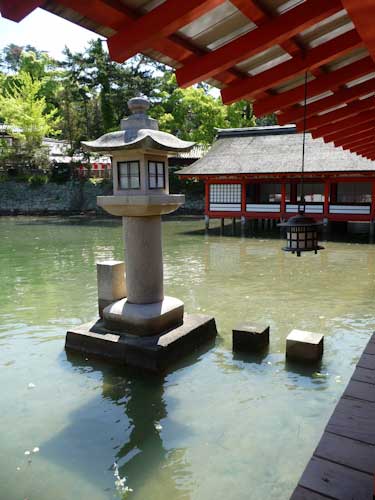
(343, 464)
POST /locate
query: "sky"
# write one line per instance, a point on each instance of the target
(45, 31)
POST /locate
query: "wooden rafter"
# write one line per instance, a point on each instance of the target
(259, 16)
(342, 125)
(343, 96)
(273, 32)
(115, 13)
(316, 87)
(356, 132)
(365, 150)
(160, 22)
(353, 143)
(362, 13)
(16, 10)
(338, 114)
(312, 59)
(361, 144)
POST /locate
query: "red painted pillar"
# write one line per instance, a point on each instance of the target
(207, 197)
(243, 198)
(293, 193)
(373, 201)
(333, 197)
(283, 200)
(327, 189)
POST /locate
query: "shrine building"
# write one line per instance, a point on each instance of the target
(255, 173)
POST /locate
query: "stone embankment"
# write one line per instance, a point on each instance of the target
(73, 197)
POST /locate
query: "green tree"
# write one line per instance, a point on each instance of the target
(29, 122)
(194, 114)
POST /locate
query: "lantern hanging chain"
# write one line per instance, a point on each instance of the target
(304, 141)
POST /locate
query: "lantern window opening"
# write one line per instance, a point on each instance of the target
(129, 174)
(156, 175)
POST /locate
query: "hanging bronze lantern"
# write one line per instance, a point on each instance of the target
(301, 234)
(302, 231)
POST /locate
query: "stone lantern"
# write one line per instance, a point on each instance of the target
(140, 196)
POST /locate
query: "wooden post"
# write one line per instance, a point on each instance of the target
(283, 200)
(327, 188)
(234, 226)
(293, 193)
(222, 222)
(373, 200)
(243, 225)
(207, 197)
(206, 223)
(243, 198)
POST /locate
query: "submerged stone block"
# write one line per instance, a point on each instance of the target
(111, 283)
(304, 346)
(155, 353)
(250, 337)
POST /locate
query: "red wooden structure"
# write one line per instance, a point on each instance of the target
(252, 49)
(255, 173)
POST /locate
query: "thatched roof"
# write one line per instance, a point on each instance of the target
(265, 150)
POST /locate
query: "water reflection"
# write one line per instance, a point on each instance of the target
(153, 470)
(224, 418)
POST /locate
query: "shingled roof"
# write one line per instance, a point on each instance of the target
(275, 149)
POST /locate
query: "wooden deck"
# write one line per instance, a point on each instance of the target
(343, 464)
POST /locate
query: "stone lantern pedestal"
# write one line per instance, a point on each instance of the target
(144, 328)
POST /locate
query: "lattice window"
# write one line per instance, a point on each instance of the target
(225, 193)
(156, 174)
(129, 175)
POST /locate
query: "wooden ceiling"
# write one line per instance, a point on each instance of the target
(251, 49)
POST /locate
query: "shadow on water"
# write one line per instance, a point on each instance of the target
(303, 369)
(253, 357)
(125, 420)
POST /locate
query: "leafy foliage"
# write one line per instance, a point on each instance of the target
(29, 122)
(86, 94)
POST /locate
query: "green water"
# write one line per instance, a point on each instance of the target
(217, 426)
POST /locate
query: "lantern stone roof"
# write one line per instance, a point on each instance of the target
(142, 139)
(138, 131)
(272, 150)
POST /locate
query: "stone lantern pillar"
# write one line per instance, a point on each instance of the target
(141, 196)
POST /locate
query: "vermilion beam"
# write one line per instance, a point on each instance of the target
(359, 142)
(163, 20)
(318, 86)
(354, 143)
(259, 16)
(16, 10)
(338, 114)
(363, 117)
(249, 87)
(251, 10)
(115, 14)
(362, 13)
(353, 133)
(364, 151)
(345, 95)
(366, 147)
(274, 32)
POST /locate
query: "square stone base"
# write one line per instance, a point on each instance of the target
(304, 346)
(152, 353)
(250, 337)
